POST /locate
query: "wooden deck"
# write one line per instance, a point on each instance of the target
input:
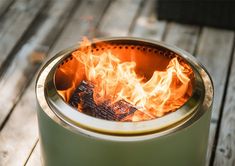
(33, 30)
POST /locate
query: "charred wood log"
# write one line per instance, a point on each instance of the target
(82, 98)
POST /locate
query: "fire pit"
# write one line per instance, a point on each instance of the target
(123, 101)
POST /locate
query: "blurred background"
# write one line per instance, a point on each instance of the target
(32, 31)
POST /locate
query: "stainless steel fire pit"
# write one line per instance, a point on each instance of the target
(70, 137)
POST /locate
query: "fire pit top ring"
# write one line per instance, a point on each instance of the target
(78, 121)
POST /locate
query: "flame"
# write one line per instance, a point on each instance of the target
(115, 80)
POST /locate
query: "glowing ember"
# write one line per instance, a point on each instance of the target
(115, 80)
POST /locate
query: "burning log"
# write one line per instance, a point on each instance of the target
(82, 98)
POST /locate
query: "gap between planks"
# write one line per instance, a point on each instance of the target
(147, 25)
(119, 17)
(4, 5)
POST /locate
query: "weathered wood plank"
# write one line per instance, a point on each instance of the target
(225, 150)
(119, 17)
(20, 132)
(214, 52)
(183, 36)
(4, 4)
(147, 25)
(82, 23)
(15, 23)
(31, 54)
(35, 159)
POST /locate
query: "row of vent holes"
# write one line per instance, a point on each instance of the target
(170, 55)
(126, 47)
(66, 60)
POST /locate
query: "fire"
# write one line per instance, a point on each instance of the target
(115, 80)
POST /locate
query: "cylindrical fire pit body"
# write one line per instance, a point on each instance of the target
(69, 137)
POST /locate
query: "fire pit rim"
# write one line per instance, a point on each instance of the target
(63, 118)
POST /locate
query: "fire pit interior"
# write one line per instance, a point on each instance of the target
(124, 81)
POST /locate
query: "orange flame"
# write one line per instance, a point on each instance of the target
(115, 80)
